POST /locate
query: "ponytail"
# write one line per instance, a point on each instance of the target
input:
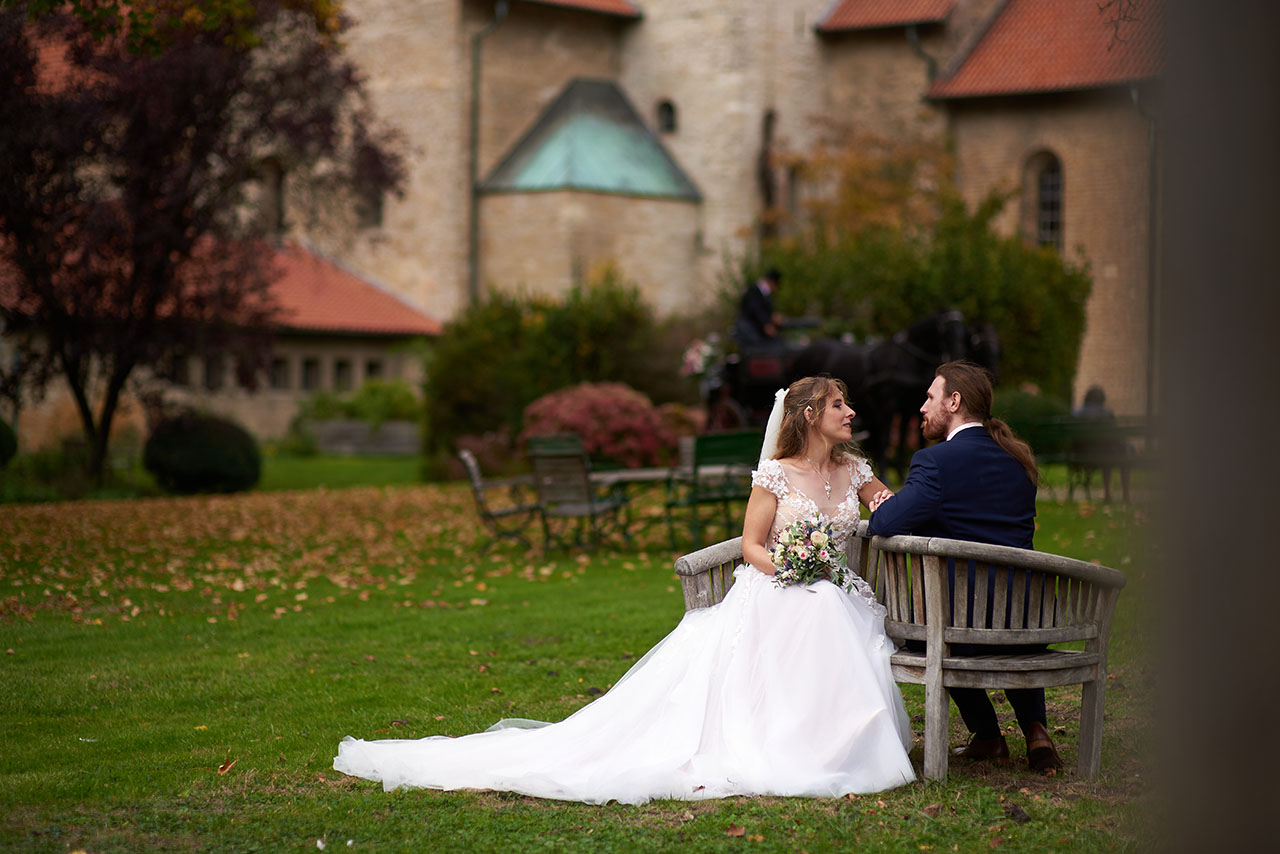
(1013, 446)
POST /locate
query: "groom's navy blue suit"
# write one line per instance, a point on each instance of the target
(969, 488)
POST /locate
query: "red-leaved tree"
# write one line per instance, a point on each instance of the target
(127, 230)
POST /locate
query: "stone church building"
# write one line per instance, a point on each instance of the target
(546, 138)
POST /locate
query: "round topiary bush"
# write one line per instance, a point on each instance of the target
(195, 452)
(8, 443)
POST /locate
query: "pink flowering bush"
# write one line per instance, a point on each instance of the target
(615, 422)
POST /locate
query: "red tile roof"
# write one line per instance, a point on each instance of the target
(312, 293)
(315, 294)
(873, 14)
(1056, 46)
(619, 8)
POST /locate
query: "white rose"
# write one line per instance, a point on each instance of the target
(818, 538)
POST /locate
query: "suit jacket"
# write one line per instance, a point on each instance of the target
(966, 489)
(754, 311)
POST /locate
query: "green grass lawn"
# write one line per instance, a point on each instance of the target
(333, 471)
(178, 674)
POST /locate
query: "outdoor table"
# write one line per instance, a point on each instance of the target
(626, 479)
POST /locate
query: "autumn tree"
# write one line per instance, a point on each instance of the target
(148, 26)
(882, 238)
(127, 237)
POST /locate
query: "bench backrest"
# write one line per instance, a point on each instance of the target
(1019, 596)
(964, 592)
(737, 447)
(473, 472)
(561, 477)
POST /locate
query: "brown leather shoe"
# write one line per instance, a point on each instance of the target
(1041, 755)
(983, 749)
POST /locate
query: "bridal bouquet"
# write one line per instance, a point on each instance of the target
(805, 554)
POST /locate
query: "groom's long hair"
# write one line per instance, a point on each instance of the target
(974, 384)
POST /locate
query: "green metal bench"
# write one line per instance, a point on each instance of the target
(718, 473)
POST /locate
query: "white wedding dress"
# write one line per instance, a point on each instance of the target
(774, 691)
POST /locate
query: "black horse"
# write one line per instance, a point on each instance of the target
(887, 380)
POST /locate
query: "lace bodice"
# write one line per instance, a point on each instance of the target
(794, 489)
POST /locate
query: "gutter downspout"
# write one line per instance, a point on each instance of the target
(913, 39)
(473, 164)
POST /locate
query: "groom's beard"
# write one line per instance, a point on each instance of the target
(932, 430)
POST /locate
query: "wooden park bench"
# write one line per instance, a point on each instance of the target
(1019, 597)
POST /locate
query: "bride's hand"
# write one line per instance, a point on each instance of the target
(879, 498)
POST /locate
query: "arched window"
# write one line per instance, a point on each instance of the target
(1042, 200)
(666, 117)
(272, 175)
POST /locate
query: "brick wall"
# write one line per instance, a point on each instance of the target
(540, 243)
(1101, 141)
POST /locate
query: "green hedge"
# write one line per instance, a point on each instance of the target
(8, 443)
(507, 351)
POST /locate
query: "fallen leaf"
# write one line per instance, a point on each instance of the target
(1016, 813)
(932, 810)
(736, 830)
(202, 726)
(755, 837)
(226, 766)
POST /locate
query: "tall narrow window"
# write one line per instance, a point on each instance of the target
(280, 373)
(272, 206)
(369, 207)
(342, 375)
(1049, 204)
(310, 374)
(667, 122)
(215, 373)
(1042, 200)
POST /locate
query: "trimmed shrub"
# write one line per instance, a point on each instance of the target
(1026, 414)
(507, 351)
(375, 403)
(8, 443)
(616, 423)
(196, 452)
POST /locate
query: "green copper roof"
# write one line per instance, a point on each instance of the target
(591, 138)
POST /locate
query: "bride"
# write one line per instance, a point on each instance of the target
(774, 691)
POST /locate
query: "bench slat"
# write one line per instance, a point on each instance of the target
(1000, 610)
(980, 595)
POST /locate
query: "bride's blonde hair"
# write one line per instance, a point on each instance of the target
(803, 405)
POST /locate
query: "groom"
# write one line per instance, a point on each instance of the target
(978, 484)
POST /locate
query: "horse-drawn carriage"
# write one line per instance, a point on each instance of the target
(887, 378)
